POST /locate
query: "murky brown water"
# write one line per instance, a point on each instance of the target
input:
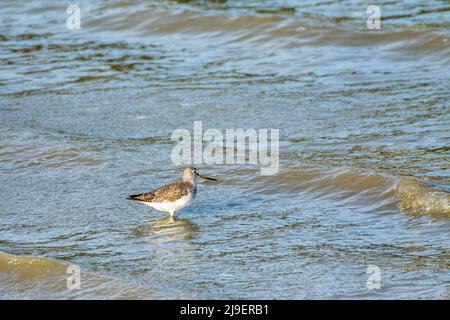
(86, 118)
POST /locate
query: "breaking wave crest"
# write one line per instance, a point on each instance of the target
(380, 192)
(418, 198)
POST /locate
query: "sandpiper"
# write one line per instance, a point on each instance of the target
(175, 196)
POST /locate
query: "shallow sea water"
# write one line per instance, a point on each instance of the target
(86, 118)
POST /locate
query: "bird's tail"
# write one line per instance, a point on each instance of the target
(133, 196)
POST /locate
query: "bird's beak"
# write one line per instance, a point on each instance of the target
(206, 178)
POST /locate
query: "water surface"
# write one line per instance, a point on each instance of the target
(86, 118)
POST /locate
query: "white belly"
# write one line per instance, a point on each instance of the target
(171, 207)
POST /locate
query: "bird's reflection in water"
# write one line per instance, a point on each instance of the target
(169, 229)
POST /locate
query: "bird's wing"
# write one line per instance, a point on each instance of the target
(170, 192)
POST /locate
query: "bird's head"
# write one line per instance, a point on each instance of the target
(190, 173)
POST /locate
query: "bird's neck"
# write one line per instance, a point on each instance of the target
(189, 180)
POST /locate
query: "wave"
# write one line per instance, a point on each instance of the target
(421, 31)
(420, 199)
(275, 30)
(32, 277)
(378, 191)
(269, 24)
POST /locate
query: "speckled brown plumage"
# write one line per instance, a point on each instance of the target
(170, 192)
